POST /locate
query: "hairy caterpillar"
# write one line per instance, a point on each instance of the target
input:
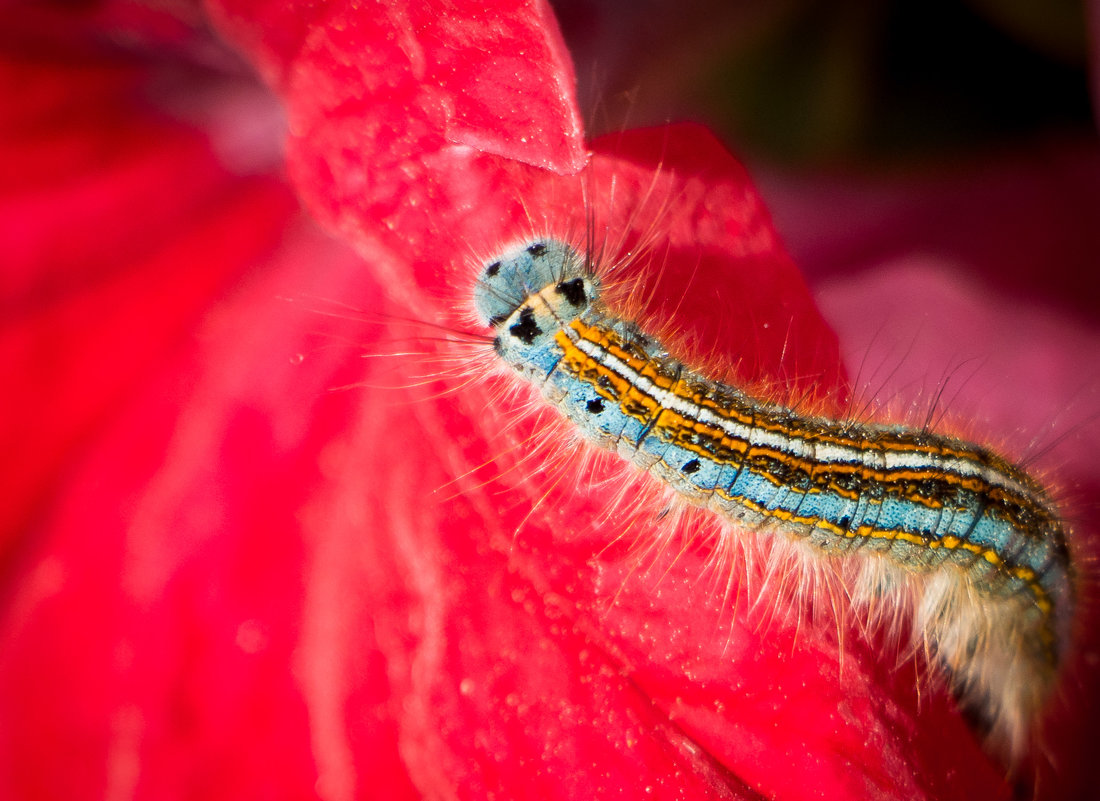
(976, 544)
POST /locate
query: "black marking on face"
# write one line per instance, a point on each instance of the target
(691, 467)
(526, 329)
(573, 291)
(594, 406)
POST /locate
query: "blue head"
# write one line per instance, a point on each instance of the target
(509, 279)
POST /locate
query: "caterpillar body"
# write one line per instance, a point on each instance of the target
(976, 543)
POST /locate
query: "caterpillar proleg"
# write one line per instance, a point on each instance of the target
(976, 545)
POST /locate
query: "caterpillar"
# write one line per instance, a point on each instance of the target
(976, 543)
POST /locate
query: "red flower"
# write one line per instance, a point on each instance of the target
(226, 579)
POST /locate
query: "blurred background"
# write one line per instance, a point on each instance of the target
(963, 127)
(833, 82)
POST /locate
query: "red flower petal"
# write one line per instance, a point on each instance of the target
(137, 653)
(362, 162)
(274, 590)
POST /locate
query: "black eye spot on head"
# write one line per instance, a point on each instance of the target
(536, 249)
(526, 329)
(573, 291)
(691, 467)
(492, 269)
(594, 406)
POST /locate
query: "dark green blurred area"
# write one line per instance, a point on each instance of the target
(838, 80)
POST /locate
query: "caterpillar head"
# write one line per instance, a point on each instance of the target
(510, 279)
